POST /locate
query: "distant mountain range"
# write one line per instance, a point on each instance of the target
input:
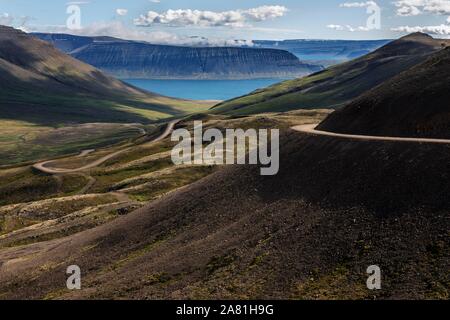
(40, 84)
(141, 60)
(326, 51)
(339, 84)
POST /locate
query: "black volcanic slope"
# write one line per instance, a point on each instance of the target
(132, 59)
(335, 208)
(339, 84)
(39, 83)
(416, 103)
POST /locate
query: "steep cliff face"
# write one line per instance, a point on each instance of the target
(131, 59)
(64, 42)
(139, 60)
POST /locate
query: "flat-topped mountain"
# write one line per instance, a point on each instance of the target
(413, 104)
(340, 84)
(68, 43)
(39, 83)
(132, 59)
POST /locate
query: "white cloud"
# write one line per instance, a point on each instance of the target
(336, 27)
(119, 30)
(265, 12)
(371, 6)
(358, 4)
(122, 12)
(359, 28)
(155, 1)
(6, 19)
(77, 2)
(443, 29)
(349, 28)
(13, 21)
(438, 7)
(416, 7)
(408, 11)
(232, 18)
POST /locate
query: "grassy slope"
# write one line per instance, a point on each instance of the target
(22, 142)
(56, 108)
(42, 85)
(42, 89)
(336, 85)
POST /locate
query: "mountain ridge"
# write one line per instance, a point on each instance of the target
(329, 51)
(151, 61)
(412, 104)
(41, 84)
(335, 86)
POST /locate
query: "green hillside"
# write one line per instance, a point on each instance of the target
(339, 84)
(42, 85)
(412, 104)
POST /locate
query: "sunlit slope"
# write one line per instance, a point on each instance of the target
(42, 85)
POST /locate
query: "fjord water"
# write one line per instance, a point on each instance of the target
(202, 89)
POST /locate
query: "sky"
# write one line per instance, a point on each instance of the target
(224, 21)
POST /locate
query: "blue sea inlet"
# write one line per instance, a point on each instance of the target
(202, 89)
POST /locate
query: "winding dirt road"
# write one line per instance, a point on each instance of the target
(43, 166)
(310, 128)
(306, 128)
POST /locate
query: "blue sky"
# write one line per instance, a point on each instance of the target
(177, 21)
